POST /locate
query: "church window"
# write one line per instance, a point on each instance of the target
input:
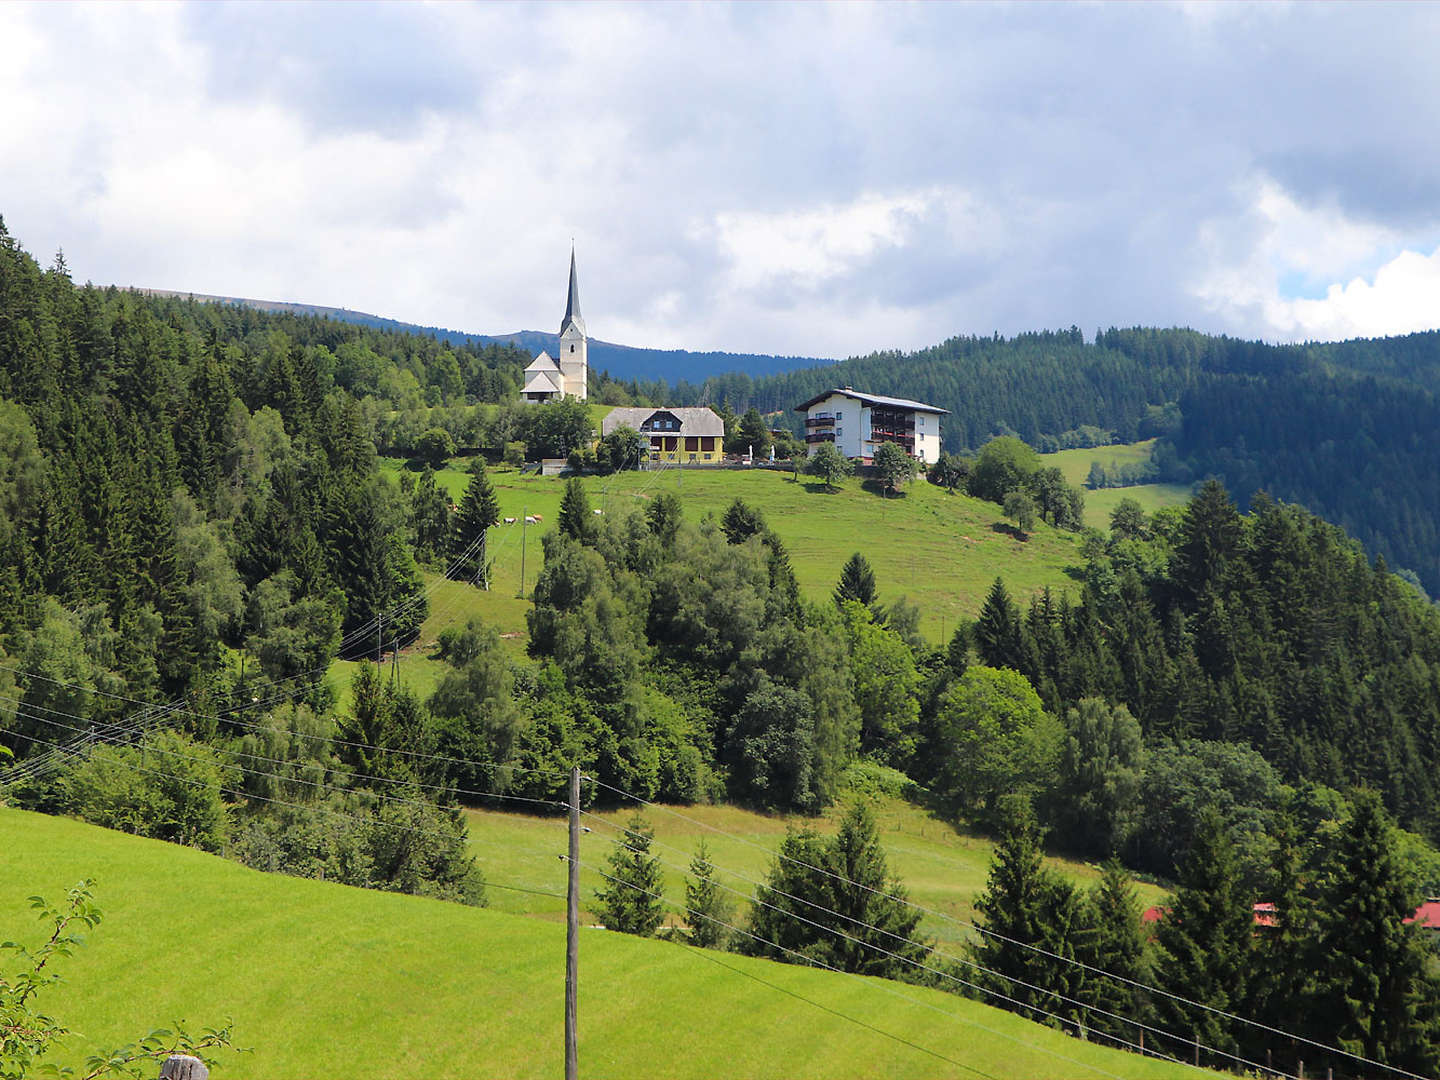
(572, 348)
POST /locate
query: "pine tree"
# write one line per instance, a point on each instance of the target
(857, 582)
(576, 520)
(999, 632)
(1378, 998)
(1025, 904)
(1118, 947)
(1206, 938)
(707, 908)
(630, 901)
(479, 512)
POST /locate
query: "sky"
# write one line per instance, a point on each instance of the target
(802, 179)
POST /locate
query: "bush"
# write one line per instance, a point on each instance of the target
(168, 788)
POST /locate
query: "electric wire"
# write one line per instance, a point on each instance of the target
(950, 976)
(944, 916)
(880, 984)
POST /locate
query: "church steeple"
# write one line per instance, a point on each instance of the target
(572, 303)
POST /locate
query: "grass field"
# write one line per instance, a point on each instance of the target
(327, 981)
(1075, 464)
(944, 868)
(941, 551)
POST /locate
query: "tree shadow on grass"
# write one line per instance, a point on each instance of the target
(1004, 528)
(877, 488)
(814, 486)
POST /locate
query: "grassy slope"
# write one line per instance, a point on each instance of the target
(1075, 464)
(323, 980)
(943, 868)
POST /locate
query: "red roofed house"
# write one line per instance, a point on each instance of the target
(1428, 914)
(1266, 914)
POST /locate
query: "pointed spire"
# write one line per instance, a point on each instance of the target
(572, 303)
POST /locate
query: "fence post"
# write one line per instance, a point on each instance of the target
(183, 1067)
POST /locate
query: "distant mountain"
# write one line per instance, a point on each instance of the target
(620, 361)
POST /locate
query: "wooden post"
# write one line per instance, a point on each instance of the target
(1300, 1071)
(572, 933)
(524, 523)
(183, 1067)
(1197, 1049)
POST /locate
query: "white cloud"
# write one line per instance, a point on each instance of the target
(806, 248)
(1404, 297)
(1372, 285)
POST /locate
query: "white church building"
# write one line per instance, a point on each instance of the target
(547, 379)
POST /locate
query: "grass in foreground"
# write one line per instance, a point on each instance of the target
(324, 980)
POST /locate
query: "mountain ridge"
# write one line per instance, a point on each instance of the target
(620, 361)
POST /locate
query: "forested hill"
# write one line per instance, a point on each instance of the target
(619, 361)
(1345, 429)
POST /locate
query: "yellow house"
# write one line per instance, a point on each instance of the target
(675, 436)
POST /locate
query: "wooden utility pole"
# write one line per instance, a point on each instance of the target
(524, 523)
(572, 933)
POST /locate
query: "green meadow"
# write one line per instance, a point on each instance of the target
(322, 980)
(944, 868)
(1075, 464)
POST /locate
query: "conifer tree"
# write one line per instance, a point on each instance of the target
(857, 582)
(1378, 998)
(1118, 947)
(630, 899)
(1206, 937)
(999, 632)
(479, 512)
(707, 908)
(576, 520)
(836, 903)
(1031, 922)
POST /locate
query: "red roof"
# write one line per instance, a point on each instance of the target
(1427, 914)
(1264, 914)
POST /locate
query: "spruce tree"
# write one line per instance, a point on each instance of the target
(708, 909)
(1118, 947)
(576, 520)
(1378, 997)
(630, 901)
(999, 633)
(1024, 905)
(857, 582)
(479, 512)
(1206, 937)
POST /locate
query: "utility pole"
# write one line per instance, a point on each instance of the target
(572, 932)
(524, 524)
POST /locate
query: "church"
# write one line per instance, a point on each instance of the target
(547, 379)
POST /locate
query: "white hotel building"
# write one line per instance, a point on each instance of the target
(857, 423)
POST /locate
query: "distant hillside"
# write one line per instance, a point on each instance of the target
(620, 361)
(1344, 429)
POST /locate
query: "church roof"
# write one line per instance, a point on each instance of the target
(543, 362)
(693, 421)
(572, 302)
(541, 380)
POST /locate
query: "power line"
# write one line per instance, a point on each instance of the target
(1257, 1024)
(1140, 1048)
(300, 764)
(880, 984)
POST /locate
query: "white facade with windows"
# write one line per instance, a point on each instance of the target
(857, 423)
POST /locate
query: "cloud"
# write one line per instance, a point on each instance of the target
(818, 179)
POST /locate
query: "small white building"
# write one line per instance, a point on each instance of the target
(857, 423)
(547, 378)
